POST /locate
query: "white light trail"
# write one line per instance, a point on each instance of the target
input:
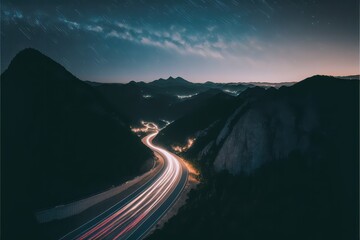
(132, 214)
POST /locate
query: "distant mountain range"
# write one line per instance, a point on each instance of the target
(351, 77)
(166, 99)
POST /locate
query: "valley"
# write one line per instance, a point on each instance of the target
(267, 161)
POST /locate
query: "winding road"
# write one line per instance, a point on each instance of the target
(135, 215)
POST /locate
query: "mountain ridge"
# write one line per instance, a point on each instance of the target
(283, 164)
(55, 126)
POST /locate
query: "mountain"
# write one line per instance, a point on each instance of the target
(166, 99)
(173, 86)
(283, 164)
(275, 85)
(192, 124)
(61, 140)
(161, 99)
(190, 103)
(204, 122)
(136, 103)
(178, 81)
(266, 124)
(303, 118)
(354, 77)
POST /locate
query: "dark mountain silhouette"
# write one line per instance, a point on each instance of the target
(139, 101)
(178, 81)
(181, 108)
(162, 99)
(199, 120)
(181, 86)
(173, 86)
(284, 165)
(230, 88)
(205, 121)
(133, 101)
(60, 140)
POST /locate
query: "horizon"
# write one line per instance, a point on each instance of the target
(175, 77)
(254, 41)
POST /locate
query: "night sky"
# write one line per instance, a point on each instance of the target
(199, 40)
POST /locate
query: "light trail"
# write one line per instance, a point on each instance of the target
(124, 221)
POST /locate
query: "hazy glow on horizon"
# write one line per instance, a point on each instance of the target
(241, 41)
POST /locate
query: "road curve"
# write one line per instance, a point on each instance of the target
(134, 216)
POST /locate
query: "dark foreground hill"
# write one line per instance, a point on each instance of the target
(284, 165)
(60, 141)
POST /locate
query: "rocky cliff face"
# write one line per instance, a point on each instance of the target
(316, 118)
(266, 132)
(305, 119)
(299, 149)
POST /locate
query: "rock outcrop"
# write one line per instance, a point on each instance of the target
(304, 118)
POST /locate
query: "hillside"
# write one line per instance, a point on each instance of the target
(60, 139)
(284, 165)
(307, 118)
(162, 99)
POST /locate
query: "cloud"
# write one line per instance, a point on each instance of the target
(113, 33)
(177, 39)
(129, 28)
(71, 24)
(11, 15)
(150, 42)
(170, 39)
(94, 28)
(211, 28)
(121, 35)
